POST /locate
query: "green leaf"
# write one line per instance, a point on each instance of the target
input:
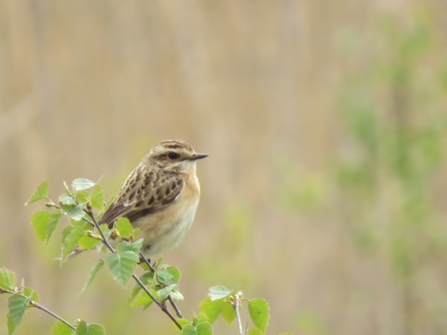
(135, 292)
(39, 220)
(183, 322)
(11, 325)
(255, 331)
(97, 197)
(204, 328)
(189, 330)
(260, 313)
(145, 278)
(83, 197)
(98, 265)
(30, 294)
(76, 213)
(40, 193)
(150, 301)
(164, 293)
(142, 299)
(66, 199)
(219, 292)
(8, 279)
(122, 265)
(72, 239)
(81, 184)
(105, 230)
(96, 329)
(158, 264)
(176, 295)
(65, 232)
(163, 276)
(228, 313)
(87, 242)
(85, 328)
(17, 305)
(175, 272)
(136, 232)
(201, 317)
(124, 227)
(211, 308)
(130, 246)
(61, 328)
(53, 221)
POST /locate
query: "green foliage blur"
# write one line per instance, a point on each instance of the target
(395, 117)
(386, 184)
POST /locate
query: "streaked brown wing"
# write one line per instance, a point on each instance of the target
(144, 192)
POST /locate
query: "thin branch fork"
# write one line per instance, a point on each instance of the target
(42, 308)
(161, 305)
(171, 301)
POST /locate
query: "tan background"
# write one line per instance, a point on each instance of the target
(87, 87)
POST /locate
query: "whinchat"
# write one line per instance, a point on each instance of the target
(160, 196)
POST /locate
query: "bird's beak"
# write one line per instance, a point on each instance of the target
(198, 156)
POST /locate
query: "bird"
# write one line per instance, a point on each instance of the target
(160, 197)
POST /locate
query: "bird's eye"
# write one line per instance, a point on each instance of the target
(172, 155)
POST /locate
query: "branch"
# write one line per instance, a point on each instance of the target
(106, 242)
(238, 314)
(95, 223)
(54, 315)
(159, 304)
(171, 301)
(42, 308)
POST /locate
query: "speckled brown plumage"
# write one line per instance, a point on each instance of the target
(144, 192)
(160, 196)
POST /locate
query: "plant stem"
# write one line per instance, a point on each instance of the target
(39, 306)
(134, 276)
(174, 306)
(96, 225)
(46, 310)
(171, 301)
(159, 304)
(238, 314)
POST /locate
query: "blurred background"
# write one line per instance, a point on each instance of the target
(325, 124)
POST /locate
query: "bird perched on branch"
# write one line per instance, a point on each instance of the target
(160, 197)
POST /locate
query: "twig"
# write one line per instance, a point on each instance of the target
(44, 309)
(146, 261)
(174, 306)
(98, 228)
(171, 301)
(238, 314)
(159, 304)
(134, 276)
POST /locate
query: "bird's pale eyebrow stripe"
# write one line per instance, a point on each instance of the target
(176, 145)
